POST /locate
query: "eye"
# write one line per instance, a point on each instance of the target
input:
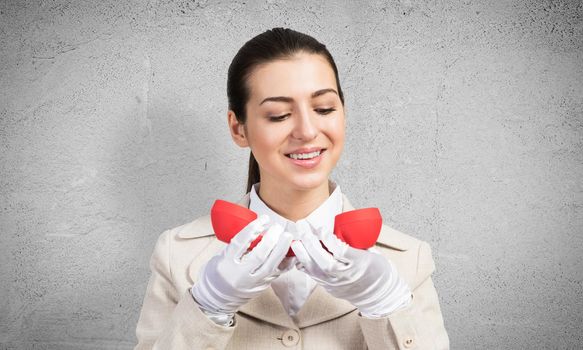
(325, 111)
(277, 118)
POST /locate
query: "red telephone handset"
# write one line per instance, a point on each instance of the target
(359, 228)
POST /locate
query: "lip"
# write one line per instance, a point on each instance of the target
(305, 150)
(308, 163)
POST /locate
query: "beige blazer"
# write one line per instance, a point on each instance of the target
(170, 319)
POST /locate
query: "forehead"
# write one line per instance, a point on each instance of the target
(297, 76)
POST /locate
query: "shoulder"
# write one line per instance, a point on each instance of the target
(412, 256)
(200, 227)
(181, 250)
(197, 228)
(185, 237)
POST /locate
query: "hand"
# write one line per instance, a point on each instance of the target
(234, 276)
(364, 278)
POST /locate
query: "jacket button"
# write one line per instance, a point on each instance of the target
(408, 342)
(290, 338)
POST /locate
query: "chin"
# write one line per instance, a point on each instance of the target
(309, 182)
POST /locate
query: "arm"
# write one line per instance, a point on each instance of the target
(170, 319)
(419, 325)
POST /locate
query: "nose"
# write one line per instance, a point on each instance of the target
(305, 127)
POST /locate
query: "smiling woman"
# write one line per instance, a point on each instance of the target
(287, 107)
(293, 108)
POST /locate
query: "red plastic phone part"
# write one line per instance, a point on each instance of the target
(359, 228)
(228, 219)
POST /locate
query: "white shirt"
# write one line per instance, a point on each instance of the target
(294, 287)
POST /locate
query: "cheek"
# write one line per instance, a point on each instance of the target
(336, 129)
(271, 140)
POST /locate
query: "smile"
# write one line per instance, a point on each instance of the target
(305, 155)
(306, 160)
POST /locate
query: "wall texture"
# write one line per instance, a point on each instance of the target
(467, 116)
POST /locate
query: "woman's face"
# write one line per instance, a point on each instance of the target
(294, 104)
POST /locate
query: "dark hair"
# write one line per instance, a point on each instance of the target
(273, 44)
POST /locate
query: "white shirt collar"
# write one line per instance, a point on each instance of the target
(322, 216)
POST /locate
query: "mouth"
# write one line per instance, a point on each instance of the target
(306, 156)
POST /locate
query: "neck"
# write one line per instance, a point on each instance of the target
(292, 203)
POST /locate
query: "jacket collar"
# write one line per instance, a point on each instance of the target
(319, 307)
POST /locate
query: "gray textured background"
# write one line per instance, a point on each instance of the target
(466, 117)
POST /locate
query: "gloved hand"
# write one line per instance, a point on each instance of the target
(364, 278)
(234, 276)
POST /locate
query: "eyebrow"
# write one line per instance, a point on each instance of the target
(289, 99)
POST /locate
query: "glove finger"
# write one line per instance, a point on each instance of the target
(319, 255)
(286, 264)
(330, 240)
(304, 262)
(334, 245)
(240, 243)
(259, 254)
(277, 255)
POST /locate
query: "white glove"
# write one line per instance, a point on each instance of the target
(233, 277)
(364, 278)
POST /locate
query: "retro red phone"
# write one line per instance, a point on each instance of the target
(359, 228)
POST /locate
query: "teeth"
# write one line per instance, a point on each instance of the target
(304, 155)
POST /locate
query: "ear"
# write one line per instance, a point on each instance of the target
(237, 130)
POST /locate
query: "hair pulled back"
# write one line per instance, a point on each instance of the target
(274, 44)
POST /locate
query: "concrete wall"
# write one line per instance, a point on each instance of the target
(467, 115)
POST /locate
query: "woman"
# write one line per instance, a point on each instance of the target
(286, 105)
